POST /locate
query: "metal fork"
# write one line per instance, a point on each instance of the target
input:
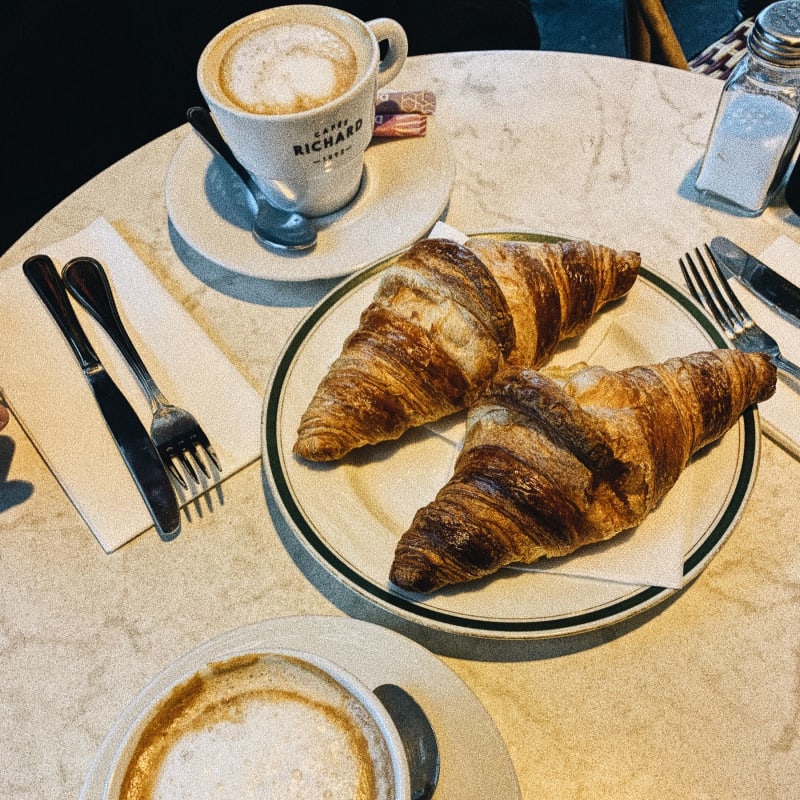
(710, 288)
(175, 432)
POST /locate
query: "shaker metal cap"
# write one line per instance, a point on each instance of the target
(775, 36)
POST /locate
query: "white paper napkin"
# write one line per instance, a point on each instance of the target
(52, 401)
(780, 415)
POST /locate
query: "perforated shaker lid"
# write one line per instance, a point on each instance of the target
(775, 36)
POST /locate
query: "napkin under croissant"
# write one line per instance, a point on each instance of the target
(555, 461)
(444, 319)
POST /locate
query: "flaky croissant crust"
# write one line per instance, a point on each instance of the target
(444, 319)
(554, 462)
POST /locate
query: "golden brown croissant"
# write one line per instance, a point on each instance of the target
(444, 319)
(550, 464)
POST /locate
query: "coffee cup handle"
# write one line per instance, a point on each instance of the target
(392, 32)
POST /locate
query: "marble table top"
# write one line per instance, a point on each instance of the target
(697, 698)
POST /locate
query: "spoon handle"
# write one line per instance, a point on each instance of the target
(202, 121)
(273, 227)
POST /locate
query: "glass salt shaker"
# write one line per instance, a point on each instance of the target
(756, 127)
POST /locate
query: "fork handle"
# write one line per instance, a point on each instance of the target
(788, 367)
(88, 284)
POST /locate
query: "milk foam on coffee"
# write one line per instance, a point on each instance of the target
(285, 68)
(268, 726)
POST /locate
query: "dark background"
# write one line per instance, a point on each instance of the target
(85, 82)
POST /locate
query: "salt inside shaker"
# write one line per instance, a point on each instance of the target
(756, 127)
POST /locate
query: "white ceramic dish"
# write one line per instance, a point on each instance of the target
(405, 189)
(375, 655)
(350, 514)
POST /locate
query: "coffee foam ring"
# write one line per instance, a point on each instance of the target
(237, 722)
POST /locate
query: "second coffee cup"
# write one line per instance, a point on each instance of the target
(292, 90)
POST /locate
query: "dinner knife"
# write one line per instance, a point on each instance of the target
(777, 292)
(133, 441)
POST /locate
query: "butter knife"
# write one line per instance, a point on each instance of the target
(137, 449)
(778, 293)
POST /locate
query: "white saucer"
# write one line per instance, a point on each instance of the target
(405, 189)
(475, 764)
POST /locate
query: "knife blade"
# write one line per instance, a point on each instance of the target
(134, 443)
(777, 292)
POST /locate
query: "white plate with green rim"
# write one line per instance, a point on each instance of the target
(350, 514)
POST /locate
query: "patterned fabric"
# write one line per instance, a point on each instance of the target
(720, 57)
(403, 113)
(396, 102)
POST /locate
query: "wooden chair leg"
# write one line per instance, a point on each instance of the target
(649, 35)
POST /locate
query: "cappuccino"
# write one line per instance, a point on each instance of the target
(286, 68)
(284, 78)
(265, 726)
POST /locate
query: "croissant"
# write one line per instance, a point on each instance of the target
(444, 319)
(552, 462)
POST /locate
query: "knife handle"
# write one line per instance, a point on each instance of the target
(43, 276)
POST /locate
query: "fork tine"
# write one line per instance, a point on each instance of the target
(185, 456)
(741, 313)
(712, 284)
(699, 286)
(200, 440)
(180, 457)
(690, 281)
(176, 473)
(192, 451)
(212, 456)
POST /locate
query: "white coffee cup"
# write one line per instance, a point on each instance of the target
(282, 723)
(307, 157)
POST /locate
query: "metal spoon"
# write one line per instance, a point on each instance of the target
(272, 226)
(418, 737)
